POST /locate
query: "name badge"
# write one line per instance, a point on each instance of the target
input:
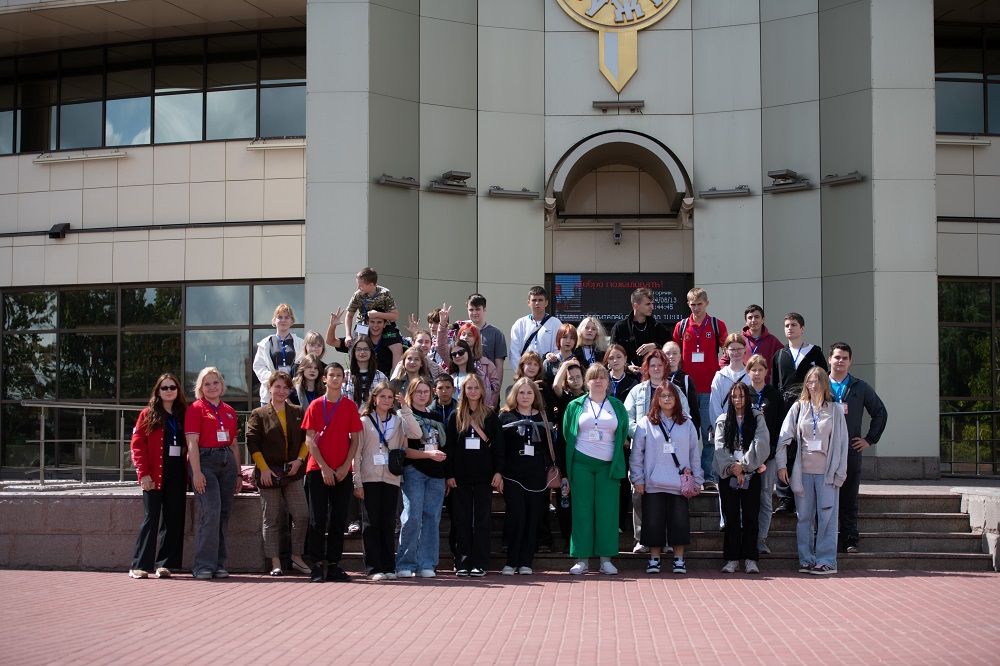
(285, 368)
(529, 450)
(222, 436)
(668, 448)
(594, 435)
(379, 458)
(698, 357)
(844, 405)
(814, 445)
(472, 443)
(174, 451)
(738, 453)
(430, 446)
(361, 329)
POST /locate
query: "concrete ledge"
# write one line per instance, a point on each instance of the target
(983, 507)
(877, 468)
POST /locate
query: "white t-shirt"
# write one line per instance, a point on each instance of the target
(595, 432)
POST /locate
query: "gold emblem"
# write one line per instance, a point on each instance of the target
(617, 23)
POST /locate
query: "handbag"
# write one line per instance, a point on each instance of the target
(553, 477)
(396, 459)
(688, 487)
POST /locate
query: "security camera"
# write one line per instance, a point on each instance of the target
(618, 233)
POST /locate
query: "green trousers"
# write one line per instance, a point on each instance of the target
(595, 509)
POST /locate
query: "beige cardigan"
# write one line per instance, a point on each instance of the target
(403, 426)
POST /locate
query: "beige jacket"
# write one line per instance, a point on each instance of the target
(401, 426)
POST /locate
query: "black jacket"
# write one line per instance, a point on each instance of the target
(469, 466)
(787, 378)
(857, 396)
(631, 336)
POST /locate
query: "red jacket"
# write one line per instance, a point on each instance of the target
(147, 450)
(767, 346)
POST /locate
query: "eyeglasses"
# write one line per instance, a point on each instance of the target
(735, 350)
(165, 387)
(456, 354)
(358, 350)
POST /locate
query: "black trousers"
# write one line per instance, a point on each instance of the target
(782, 490)
(741, 509)
(665, 520)
(471, 506)
(378, 526)
(564, 516)
(524, 511)
(543, 530)
(163, 518)
(849, 501)
(625, 523)
(328, 516)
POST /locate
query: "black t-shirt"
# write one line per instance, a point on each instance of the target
(426, 466)
(630, 335)
(174, 467)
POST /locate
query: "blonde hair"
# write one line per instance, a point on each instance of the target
(400, 371)
(735, 337)
(370, 402)
(697, 294)
(600, 342)
(756, 360)
(313, 338)
(283, 307)
(466, 416)
(200, 381)
(594, 370)
(510, 405)
(824, 385)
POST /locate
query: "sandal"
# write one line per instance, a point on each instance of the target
(301, 569)
(277, 572)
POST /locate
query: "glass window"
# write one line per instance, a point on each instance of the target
(7, 81)
(37, 76)
(232, 61)
(127, 122)
(232, 114)
(19, 427)
(96, 308)
(130, 70)
(283, 57)
(80, 125)
(283, 111)
(964, 302)
(29, 366)
(218, 305)
(29, 310)
(964, 362)
(959, 107)
(266, 297)
(180, 65)
(993, 100)
(146, 356)
(958, 51)
(156, 306)
(36, 129)
(177, 118)
(6, 132)
(88, 366)
(102, 449)
(228, 350)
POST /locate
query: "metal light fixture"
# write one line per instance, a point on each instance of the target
(49, 158)
(523, 193)
(836, 179)
(633, 105)
(452, 182)
(405, 182)
(59, 230)
(713, 193)
(786, 180)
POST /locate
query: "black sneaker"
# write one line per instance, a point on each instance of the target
(336, 575)
(653, 567)
(317, 574)
(853, 549)
(679, 566)
(477, 572)
(462, 572)
(785, 506)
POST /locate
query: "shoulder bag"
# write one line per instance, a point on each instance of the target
(688, 487)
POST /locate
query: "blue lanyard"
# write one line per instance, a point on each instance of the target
(671, 428)
(172, 422)
(614, 384)
(382, 435)
(444, 414)
(753, 348)
(216, 410)
(364, 301)
(598, 412)
(812, 413)
(698, 330)
(739, 430)
(760, 396)
(326, 419)
(795, 359)
(282, 341)
(839, 388)
(588, 353)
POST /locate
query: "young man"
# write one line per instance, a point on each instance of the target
(853, 395)
(639, 332)
(759, 339)
(386, 343)
(700, 338)
(444, 392)
(333, 429)
(493, 340)
(535, 331)
(369, 302)
(789, 366)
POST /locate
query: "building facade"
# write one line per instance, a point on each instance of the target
(206, 174)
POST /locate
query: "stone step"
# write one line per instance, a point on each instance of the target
(867, 522)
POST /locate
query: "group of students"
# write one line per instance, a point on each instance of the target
(607, 430)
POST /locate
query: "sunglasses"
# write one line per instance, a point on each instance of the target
(456, 354)
(165, 387)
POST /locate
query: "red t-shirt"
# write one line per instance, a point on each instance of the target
(333, 422)
(700, 340)
(206, 421)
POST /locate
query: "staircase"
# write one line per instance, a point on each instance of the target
(904, 531)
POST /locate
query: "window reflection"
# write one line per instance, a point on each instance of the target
(226, 350)
(177, 118)
(20, 424)
(80, 125)
(127, 122)
(218, 305)
(283, 111)
(88, 365)
(35, 129)
(29, 366)
(232, 114)
(266, 298)
(283, 57)
(6, 132)
(81, 88)
(180, 65)
(964, 362)
(232, 61)
(29, 310)
(151, 306)
(146, 356)
(96, 308)
(959, 107)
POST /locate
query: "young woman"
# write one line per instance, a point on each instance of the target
(313, 343)
(160, 464)
(276, 444)
(621, 380)
(461, 366)
(307, 385)
(484, 367)
(595, 428)
(568, 385)
(664, 446)
(591, 341)
(530, 366)
(689, 394)
(474, 467)
(768, 401)
(735, 346)
(526, 441)
(566, 339)
(213, 454)
(818, 425)
(363, 372)
(279, 351)
(411, 367)
(423, 487)
(424, 341)
(374, 484)
(741, 447)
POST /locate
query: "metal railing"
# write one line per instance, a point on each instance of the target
(122, 438)
(969, 443)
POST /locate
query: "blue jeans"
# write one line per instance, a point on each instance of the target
(707, 445)
(214, 508)
(817, 507)
(420, 534)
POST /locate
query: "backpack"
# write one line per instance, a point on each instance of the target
(715, 330)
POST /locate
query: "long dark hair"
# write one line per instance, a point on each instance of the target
(362, 382)
(730, 433)
(470, 364)
(156, 417)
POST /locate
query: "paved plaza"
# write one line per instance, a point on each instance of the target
(859, 617)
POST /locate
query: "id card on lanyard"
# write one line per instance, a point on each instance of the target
(222, 435)
(174, 450)
(380, 457)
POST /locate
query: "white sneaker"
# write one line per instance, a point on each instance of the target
(427, 573)
(639, 548)
(731, 566)
(508, 571)
(750, 566)
(579, 568)
(608, 568)
(390, 576)
(525, 571)
(138, 573)
(377, 576)
(404, 573)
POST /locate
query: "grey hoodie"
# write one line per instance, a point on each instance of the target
(752, 458)
(650, 466)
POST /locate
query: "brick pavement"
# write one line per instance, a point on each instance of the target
(859, 617)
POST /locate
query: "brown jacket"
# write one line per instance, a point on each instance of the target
(264, 436)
